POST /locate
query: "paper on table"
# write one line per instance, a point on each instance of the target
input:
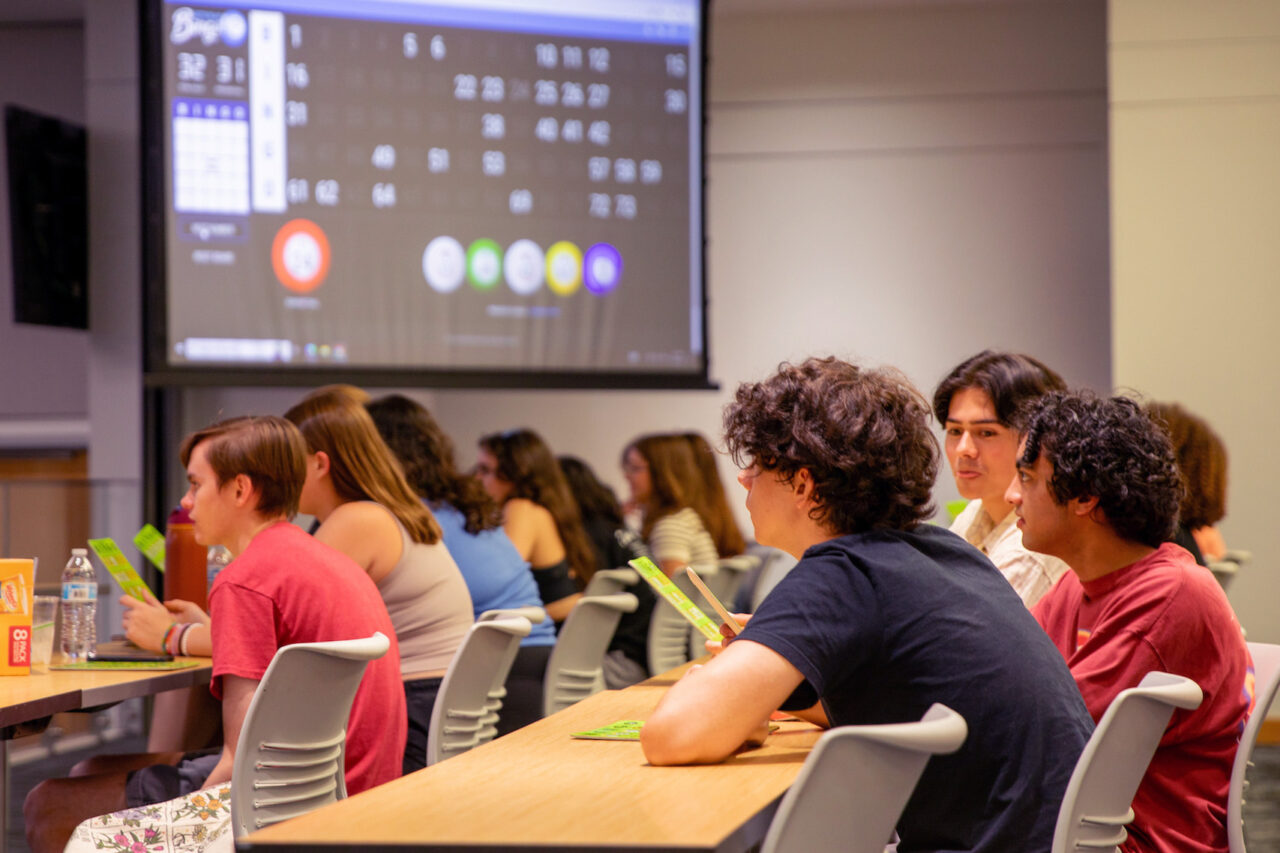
(672, 593)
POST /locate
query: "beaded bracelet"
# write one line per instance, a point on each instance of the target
(182, 638)
(164, 642)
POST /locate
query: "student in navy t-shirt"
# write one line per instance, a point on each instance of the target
(882, 616)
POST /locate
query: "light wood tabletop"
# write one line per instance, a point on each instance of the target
(24, 698)
(538, 788)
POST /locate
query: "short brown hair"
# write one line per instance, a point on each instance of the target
(862, 434)
(267, 449)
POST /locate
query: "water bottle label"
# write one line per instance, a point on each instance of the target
(79, 592)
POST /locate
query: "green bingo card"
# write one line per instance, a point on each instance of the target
(621, 730)
(151, 543)
(118, 565)
(672, 593)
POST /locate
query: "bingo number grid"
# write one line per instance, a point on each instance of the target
(210, 156)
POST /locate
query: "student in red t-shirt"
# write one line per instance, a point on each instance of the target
(283, 587)
(1098, 487)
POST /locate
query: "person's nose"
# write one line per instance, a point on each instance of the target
(966, 447)
(1013, 494)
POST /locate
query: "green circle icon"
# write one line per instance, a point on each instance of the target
(484, 264)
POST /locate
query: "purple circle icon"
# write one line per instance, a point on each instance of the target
(601, 268)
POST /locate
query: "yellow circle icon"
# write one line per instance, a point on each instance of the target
(564, 267)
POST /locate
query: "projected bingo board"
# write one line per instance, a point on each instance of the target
(405, 186)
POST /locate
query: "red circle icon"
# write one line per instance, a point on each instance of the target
(300, 255)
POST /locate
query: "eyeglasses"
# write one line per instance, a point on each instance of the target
(631, 468)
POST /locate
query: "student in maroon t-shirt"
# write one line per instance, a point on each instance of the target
(1098, 487)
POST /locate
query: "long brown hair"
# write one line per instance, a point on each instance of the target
(713, 505)
(525, 461)
(1202, 459)
(673, 476)
(426, 455)
(361, 466)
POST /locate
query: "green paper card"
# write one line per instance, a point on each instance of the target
(90, 665)
(672, 593)
(621, 730)
(119, 567)
(151, 543)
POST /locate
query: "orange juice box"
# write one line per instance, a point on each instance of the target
(17, 585)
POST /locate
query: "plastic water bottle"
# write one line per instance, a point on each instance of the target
(215, 561)
(79, 606)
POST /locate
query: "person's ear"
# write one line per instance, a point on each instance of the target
(803, 486)
(1086, 506)
(320, 460)
(242, 490)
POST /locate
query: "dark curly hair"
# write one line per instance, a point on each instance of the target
(1007, 378)
(1109, 449)
(426, 454)
(862, 434)
(1202, 458)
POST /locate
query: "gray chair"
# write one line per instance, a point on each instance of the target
(609, 581)
(575, 669)
(1225, 570)
(461, 709)
(669, 634)
(289, 759)
(1099, 796)
(498, 692)
(856, 782)
(1266, 680)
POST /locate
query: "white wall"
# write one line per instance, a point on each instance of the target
(903, 185)
(1195, 153)
(41, 69)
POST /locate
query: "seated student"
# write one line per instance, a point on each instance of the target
(712, 502)
(520, 473)
(883, 615)
(667, 487)
(282, 587)
(366, 510)
(1202, 459)
(975, 403)
(495, 573)
(1098, 487)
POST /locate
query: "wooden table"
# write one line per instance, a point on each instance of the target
(27, 702)
(539, 789)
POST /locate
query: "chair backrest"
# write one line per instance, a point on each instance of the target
(289, 759)
(1099, 796)
(575, 669)
(458, 718)
(1225, 569)
(856, 782)
(1266, 680)
(609, 581)
(498, 692)
(668, 641)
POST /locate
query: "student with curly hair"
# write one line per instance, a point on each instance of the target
(1202, 459)
(496, 575)
(882, 616)
(976, 403)
(1098, 486)
(521, 474)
